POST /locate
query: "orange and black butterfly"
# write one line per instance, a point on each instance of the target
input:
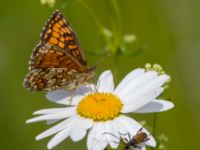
(58, 60)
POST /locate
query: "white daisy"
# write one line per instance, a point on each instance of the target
(102, 109)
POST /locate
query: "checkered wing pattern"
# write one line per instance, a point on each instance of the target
(57, 34)
(57, 60)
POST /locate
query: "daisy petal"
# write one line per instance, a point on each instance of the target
(129, 125)
(137, 83)
(60, 126)
(140, 148)
(139, 97)
(151, 142)
(143, 148)
(63, 97)
(129, 78)
(133, 127)
(58, 96)
(91, 136)
(105, 82)
(62, 135)
(79, 131)
(99, 145)
(49, 122)
(115, 140)
(110, 134)
(52, 114)
(139, 100)
(68, 111)
(155, 106)
(95, 139)
(47, 117)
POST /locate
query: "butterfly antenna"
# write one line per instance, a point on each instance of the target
(102, 59)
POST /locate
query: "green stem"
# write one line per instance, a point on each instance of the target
(96, 20)
(91, 12)
(115, 23)
(154, 124)
(154, 127)
(116, 66)
(118, 21)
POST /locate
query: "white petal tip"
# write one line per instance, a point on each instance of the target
(28, 121)
(165, 77)
(153, 144)
(37, 138)
(107, 71)
(36, 113)
(31, 120)
(166, 105)
(50, 146)
(170, 105)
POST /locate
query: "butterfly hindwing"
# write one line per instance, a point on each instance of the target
(48, 79)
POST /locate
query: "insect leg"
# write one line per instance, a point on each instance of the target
(129, 136)
(125, 139)
(97, 86)
(140, 130)
(124, 134)
(138, 147)
(113, 136)
(71, 96)
(146, 139)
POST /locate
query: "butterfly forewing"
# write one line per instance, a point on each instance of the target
(58, 32)
(57, 60)
(46, 56)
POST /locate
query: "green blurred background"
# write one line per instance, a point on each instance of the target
(169, 29)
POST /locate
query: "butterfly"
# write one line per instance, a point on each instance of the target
(58, 60)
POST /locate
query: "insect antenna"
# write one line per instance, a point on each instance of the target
(102, 59)
(95, 66)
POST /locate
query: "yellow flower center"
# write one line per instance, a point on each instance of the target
(100, 106)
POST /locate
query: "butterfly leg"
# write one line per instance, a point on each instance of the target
(95, 85)
(71, 96)
(90, 88)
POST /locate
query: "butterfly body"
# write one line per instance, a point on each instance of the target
(57, 61)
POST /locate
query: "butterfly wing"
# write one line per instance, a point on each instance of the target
(48, 79)
(46, 56)
(57, 60)
(53, 68)
(58, 32)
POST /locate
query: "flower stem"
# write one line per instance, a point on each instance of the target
(154, 124)
(115, 23)
(116, 66)
(118, 21)
(96, 20)
(154, 127)
(91, 12)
